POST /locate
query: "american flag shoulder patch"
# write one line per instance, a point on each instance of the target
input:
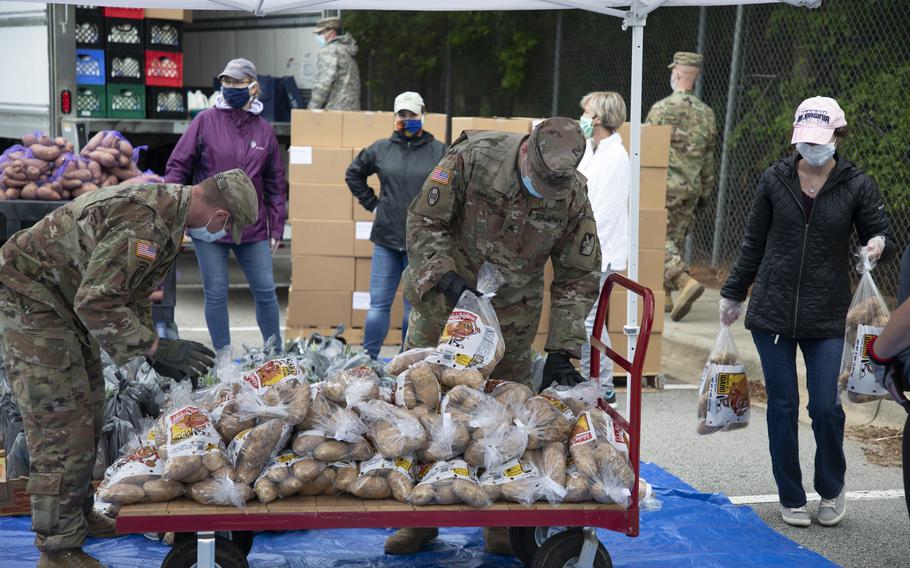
(146, 249)
(441, 175)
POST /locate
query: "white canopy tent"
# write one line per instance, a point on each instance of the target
(633, 14)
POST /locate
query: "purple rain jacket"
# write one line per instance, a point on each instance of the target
(219, 140)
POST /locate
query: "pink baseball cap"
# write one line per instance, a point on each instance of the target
(816, 119)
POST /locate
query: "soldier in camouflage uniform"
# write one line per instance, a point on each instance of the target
(691, 173)
(515, 201)
(77, 282)
(337, 85)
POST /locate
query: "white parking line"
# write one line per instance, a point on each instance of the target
(873, 495)
(680, 387)
(239, 328)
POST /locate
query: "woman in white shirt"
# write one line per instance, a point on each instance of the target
(606, 165)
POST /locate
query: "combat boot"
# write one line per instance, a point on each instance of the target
(497, 541)
(409, 541)
(100, 525)
(668, 294)
(73, 558)
(690, 290)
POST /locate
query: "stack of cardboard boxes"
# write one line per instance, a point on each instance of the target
(652, 234)
(330, 231)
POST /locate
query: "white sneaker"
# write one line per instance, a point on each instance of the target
(832, 511)
(795, 516)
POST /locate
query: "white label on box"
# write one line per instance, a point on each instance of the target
(362, 230)
(302, 155)
(361, 301)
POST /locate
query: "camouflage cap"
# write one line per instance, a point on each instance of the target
(241, 198)
(328, 24)
(555, 149)
(686, 58)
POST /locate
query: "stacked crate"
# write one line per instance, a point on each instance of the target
(124, 62)
(91, 78)
(652, 234)
(330, 231)
(165, 95)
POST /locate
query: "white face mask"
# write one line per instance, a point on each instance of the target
(320, 39)
(816, 154)
(673, 82)
(203, 234)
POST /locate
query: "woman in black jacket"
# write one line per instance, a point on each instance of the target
(403, 162)
(796, 256)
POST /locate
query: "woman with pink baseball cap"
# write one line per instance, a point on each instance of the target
(796, 256)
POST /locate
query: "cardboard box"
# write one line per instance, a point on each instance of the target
(362, 128)
(316, 309)
(319, 201)
(318, 165)
(360, 305)
(362, 270)
(653, 188)
(363, 248)
(358, 213)
(435, 124)
(651, 268)
(320, 128)
(616, 318)
(461, 123)
(178, 15)
(322, 238)
(655, 144)
(652, 367)
(14, 500)
(540, 341)
(652, 232)
(318, 273)
(544, 325)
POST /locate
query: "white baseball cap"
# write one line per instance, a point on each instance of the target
(409, 100)
(816, 120)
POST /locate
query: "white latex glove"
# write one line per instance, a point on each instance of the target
(274, 245)
(730, 310)
(875, 247)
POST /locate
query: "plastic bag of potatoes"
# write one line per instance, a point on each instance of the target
(350, 386)
(536, 476)
(416, 387)
(510, 394)
(403, 361)
(381, 478)
(193, 449)
(318, 445)
(447, 437)
(282, 389)
(471, 343)
(333, 421)
(545, 419)
(285, 475)
(600, 451)
(723, 394)
(136, 478)
(220, 491)
(251, 449)
(395, 431)
(447, 483)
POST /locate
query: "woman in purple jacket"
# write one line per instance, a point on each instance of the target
(233, 135)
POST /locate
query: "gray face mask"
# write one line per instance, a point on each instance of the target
(816, 154)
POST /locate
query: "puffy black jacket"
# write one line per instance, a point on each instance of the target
(403, 164)
(801, 269)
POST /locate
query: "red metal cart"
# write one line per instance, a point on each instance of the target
(542, 536)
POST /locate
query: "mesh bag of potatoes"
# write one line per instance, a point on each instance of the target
(471, 343)
(285, 475)
(136, 478)
(249, 451)
(866, 318)
(381, 478)
(448, 483)
(393, 430)
(350, 386)
(192, 449)
(723, 393)
(417, 389)
(600, 450)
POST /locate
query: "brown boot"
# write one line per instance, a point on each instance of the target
(497, 540)
(74, 558)
(409, 541)
(668, 307)
(690, 290)
(100, 525)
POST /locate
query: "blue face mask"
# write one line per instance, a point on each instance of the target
(203, 234)
(816, 154)
(412, 125)
(237, 97)
(530, 187)
(320, 39)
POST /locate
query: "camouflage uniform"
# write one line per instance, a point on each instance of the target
(473, 209)
(77, 282)
(691, 171)
(337, 85)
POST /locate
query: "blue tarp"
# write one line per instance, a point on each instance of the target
(690, 529)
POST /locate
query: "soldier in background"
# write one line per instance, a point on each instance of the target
(691, 173)
(337, 85)
(515, 201)
(76, 282)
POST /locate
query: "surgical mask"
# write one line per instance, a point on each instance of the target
(530, 187)
(817, 154)
(320, 39)
(673, 83)
(237, 97)
(203, 234)
(587, 126)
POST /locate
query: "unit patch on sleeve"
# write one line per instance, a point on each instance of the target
(587, 244)
(146, 250)
(441, 175)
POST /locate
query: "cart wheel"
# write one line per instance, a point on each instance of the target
(183, 555)
(243, 539)
(526, 540)
(562, 550)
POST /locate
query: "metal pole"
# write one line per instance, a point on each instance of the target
(370, 81)
(700, 47)
(728, 131)
(554, 108)
(448, 87)
(631, 328)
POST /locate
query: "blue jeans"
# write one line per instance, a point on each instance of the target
(385, 275)
(778, 361)
(256, 261)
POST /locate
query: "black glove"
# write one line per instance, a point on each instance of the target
(452, 286)
(559, 369)
(181, 359)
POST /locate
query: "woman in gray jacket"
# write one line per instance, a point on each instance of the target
(403, 161)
